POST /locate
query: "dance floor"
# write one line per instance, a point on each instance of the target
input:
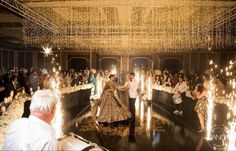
(154, 129)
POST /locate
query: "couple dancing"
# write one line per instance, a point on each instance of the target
(112, 109)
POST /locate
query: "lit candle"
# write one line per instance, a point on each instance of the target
(53, 69)
(6, 100)
(3, 108)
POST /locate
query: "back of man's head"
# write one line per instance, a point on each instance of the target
(132, 73)
(43, 101)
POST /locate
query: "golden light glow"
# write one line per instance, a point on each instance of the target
(47, 50)
(57, 121)
(137, 105)
(149, 117)
(231, 135)
(142, 110)
(99, 87)
(113, 69)
(149, 88)
(145, 27)
(210, 98)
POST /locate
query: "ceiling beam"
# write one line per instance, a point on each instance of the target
(132, 3)
(29, 14)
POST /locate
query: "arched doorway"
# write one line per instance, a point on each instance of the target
(172, 64)
(78, 64)
(141, 63)
(109, 64)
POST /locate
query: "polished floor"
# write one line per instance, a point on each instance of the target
(154, 129)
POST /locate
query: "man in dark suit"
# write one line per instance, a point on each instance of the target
(12, 86)
(2, 91)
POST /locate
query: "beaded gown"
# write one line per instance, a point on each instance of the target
(112, 109)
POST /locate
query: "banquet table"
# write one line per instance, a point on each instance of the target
(73, 101)
(162, 97)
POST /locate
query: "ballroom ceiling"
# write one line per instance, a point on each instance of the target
(121, 25)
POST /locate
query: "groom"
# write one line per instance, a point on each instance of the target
(132, 85)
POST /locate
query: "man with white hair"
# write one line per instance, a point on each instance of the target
(35, 132)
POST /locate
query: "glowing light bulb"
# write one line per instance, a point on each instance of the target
(211, 62)
(47, 50)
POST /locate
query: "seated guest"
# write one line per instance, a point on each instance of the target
(158, 80)
(166, 80)
(75, 80)
(174, 80)
(12, 86)
(23, 80)
(34, 81)
(46, 82)
(80, 77)
(35, 132)
(92, 79)
(2, 91)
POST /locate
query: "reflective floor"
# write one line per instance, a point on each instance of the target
(154, 129)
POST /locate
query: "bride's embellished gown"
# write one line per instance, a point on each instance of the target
(112, 109)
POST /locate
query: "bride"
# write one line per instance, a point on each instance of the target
(112, 109)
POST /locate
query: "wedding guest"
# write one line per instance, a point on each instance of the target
(158, 80)
(92, 79)
(34, 81)
(12, 86)
(2, 92)
(179, 94)
(46, 82)
(201, 106)
(174, 80)
(35, 132)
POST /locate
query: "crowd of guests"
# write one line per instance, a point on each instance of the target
(183, 85)
(194, 86)
(32, 80)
